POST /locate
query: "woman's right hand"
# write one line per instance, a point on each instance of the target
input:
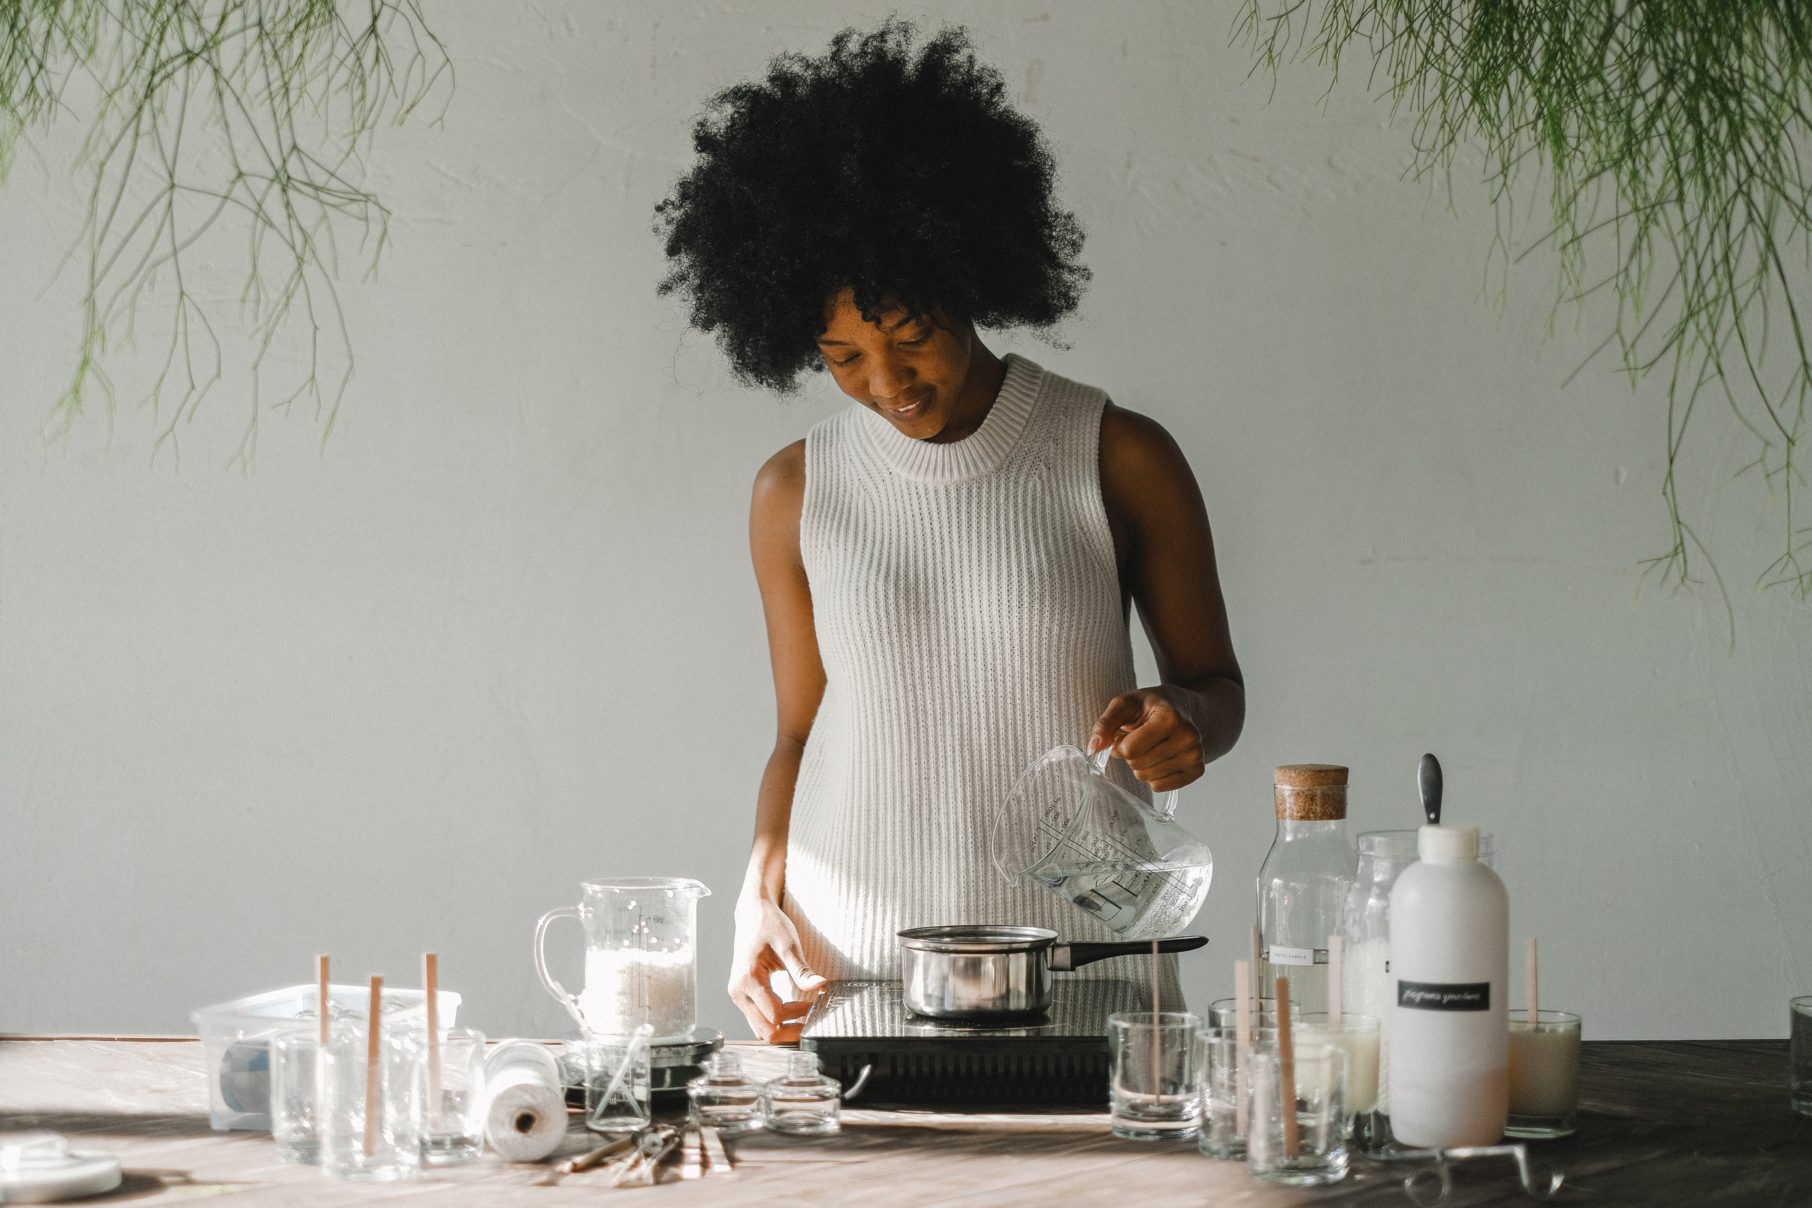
(767, 943)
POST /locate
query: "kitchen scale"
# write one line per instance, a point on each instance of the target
(887, 1056)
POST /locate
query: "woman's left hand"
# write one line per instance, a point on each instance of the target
(1151, 730)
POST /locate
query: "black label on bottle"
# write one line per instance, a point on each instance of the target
(1444, 996)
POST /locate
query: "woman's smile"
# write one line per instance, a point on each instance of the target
(913, 408)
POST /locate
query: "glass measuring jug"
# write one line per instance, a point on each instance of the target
(641, 956)
(1068, 826)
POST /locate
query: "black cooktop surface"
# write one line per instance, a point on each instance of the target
(866, 1038)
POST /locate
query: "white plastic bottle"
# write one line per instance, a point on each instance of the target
(1450, 968)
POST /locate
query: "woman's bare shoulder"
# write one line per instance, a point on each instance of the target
(782, 476)
(1138, 454)
(778, 500)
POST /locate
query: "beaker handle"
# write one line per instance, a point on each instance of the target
(559, 991)
(1165, 805)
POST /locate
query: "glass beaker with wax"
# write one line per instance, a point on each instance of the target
(641, 956)
(1069, 825)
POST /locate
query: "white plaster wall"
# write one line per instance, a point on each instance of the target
(499, 635)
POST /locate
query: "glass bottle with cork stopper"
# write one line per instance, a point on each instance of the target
(1304, 879)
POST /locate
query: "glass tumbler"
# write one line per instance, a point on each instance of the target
(454, 1128)
(296, 1094)
(1544, 1074)
(1799, 1045)
(372, 1133)
(1314, 1151)
(1153, 1090)
(1357, 1036)
(1225, 1079)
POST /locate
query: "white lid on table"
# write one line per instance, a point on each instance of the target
(40, 1168)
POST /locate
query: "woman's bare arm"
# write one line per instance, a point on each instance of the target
(1169, 732)
(766, 940)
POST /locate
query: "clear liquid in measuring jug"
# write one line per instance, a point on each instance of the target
(1139, 903)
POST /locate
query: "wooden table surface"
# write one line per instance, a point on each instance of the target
(1686, 1123)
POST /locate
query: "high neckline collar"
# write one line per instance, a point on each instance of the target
(978, 453)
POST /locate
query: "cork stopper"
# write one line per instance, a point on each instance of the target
(1311, 792)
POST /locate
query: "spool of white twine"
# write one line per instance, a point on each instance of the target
(525, 1105)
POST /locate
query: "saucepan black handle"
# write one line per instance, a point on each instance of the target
(1065, 957)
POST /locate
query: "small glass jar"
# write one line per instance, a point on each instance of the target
(802, 1101)
(296, 1093)
(453, 1123)
(724, 1097)
(372, 1133)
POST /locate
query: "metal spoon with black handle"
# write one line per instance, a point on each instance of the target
(1428, 779)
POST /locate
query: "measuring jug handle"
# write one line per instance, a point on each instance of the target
(1165, 805)
(559, 991)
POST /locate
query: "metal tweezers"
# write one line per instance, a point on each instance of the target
(652, 1146)
(1416, 1184)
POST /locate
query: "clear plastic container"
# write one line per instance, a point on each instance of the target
(236, 1036)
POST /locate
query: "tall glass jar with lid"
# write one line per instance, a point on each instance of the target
(1303, 884)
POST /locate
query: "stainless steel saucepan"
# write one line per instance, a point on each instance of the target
(987, 973)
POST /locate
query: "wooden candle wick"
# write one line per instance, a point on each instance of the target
(1258, 977)
(430, 984)
(1286, 1072)
(1534, 988)
(374, 1086)
(1336, 953)
(323, 996)
(1157, 1031)
(1242, 1040)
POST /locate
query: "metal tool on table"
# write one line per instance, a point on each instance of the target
(1431, 1184)
(692, 1153)
(652, 1147)
(717, 1158)
(585, 1161)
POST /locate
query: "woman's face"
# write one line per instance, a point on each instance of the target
(921, 375)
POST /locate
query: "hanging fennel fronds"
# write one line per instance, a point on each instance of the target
(1671, 139)
(217, 130)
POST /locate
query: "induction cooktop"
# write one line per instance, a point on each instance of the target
(887, 1056)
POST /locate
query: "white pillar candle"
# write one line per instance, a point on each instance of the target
(1357, 1036)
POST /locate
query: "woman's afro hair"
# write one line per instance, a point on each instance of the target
(901, 174)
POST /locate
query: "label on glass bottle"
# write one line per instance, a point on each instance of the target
(1444, 996)
(1296, 956)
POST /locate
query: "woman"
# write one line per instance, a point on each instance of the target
(947, 567)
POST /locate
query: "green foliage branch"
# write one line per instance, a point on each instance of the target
(1671, 135)
(246, 118)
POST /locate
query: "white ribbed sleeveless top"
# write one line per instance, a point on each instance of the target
(969, 617)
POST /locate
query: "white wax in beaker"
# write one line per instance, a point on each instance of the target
(1361, 1049)
(1367, 988)
(614, 980)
